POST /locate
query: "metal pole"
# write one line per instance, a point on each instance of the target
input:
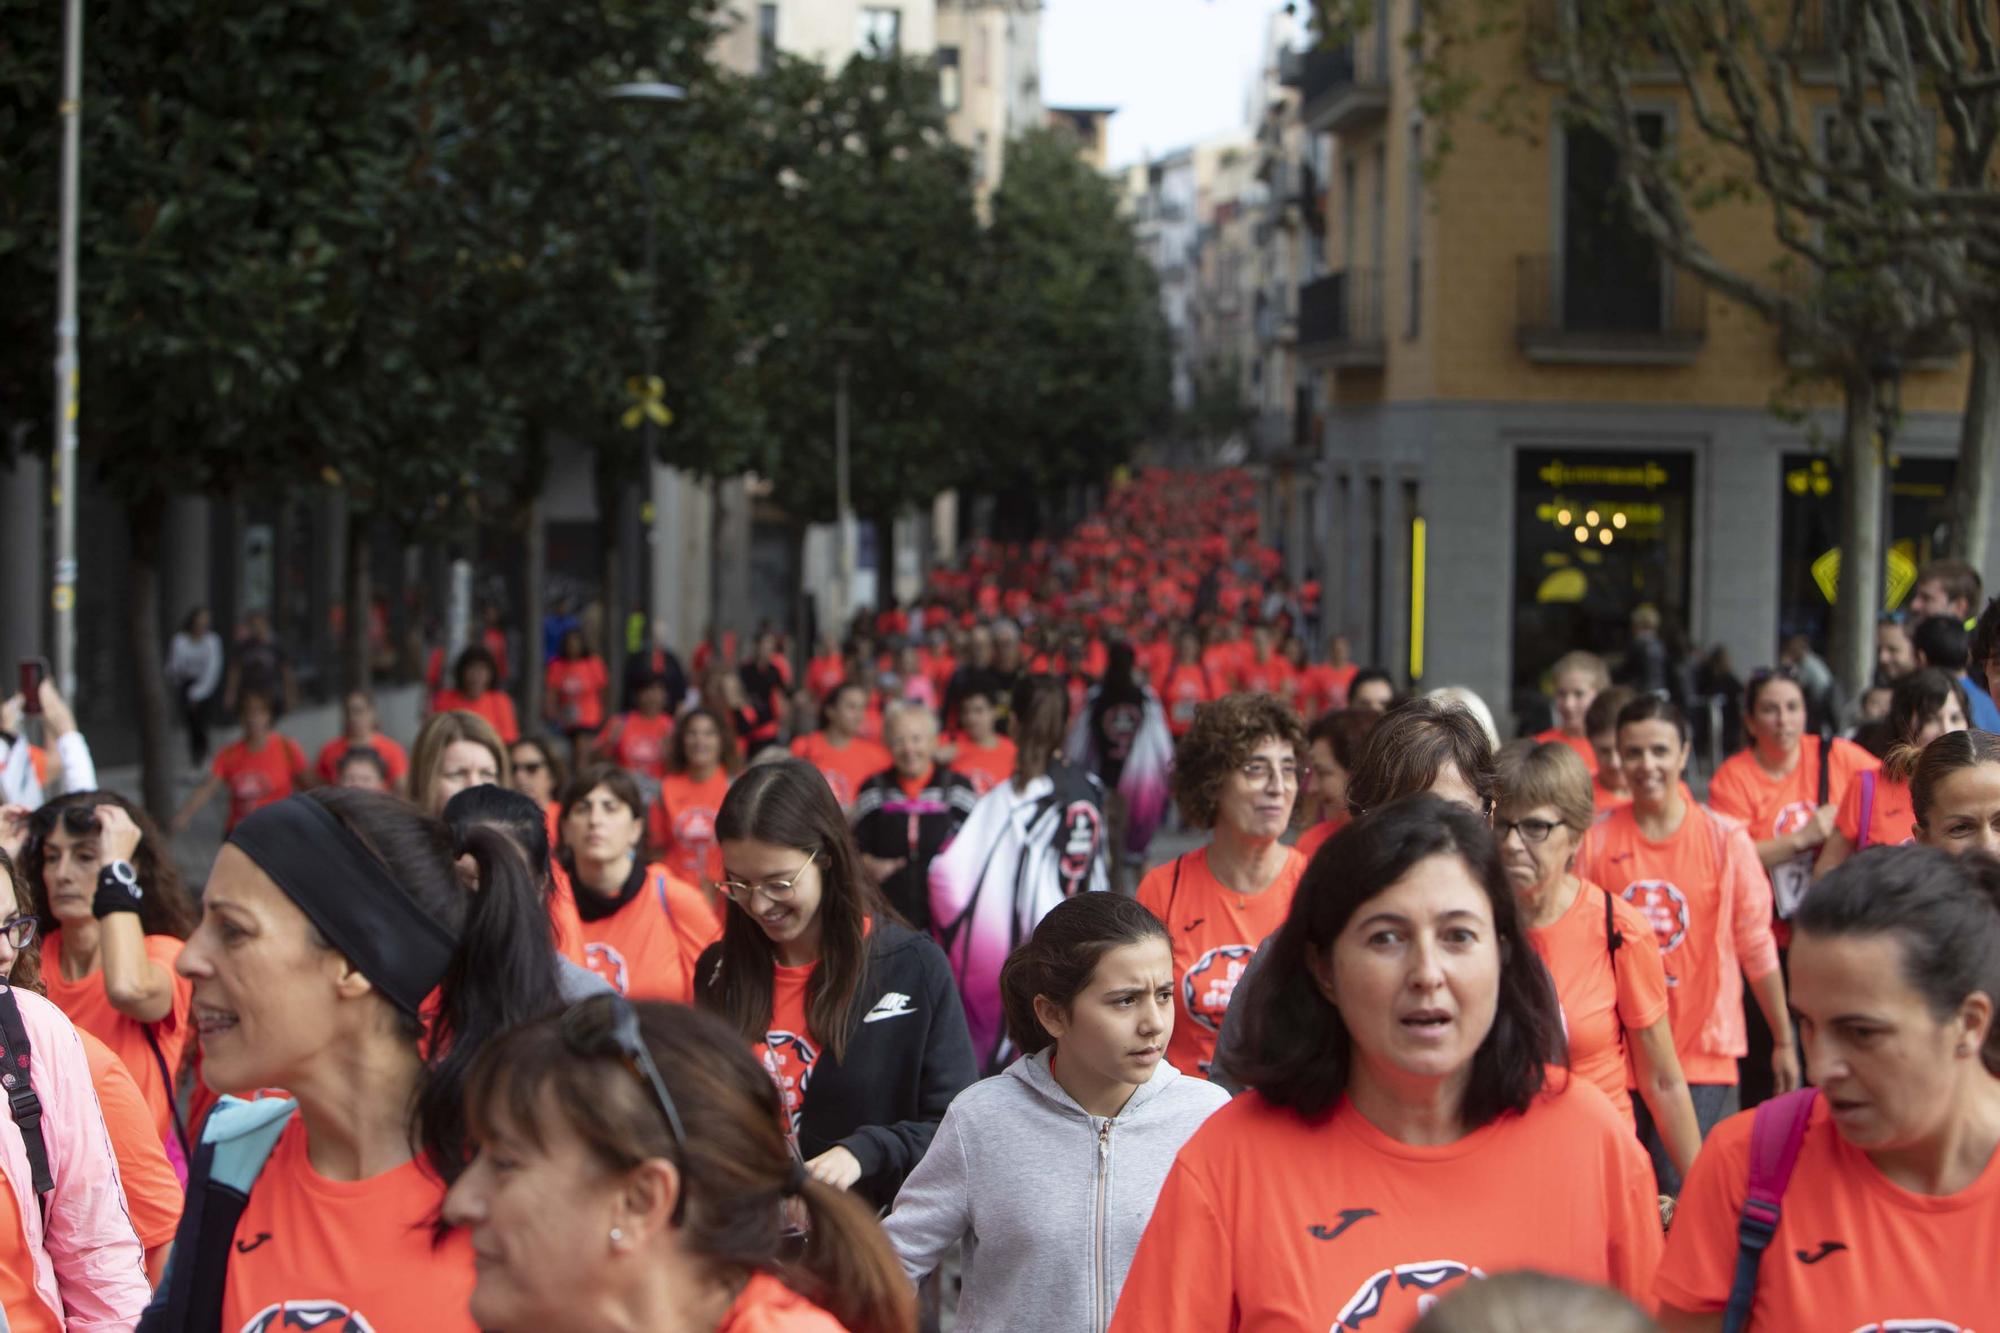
(63, 598)
(842, 499)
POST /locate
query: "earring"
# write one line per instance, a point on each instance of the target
(617, 1235)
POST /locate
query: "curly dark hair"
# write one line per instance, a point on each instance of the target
(166, 907)
(1224, 736)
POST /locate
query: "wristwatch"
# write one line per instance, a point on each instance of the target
(117, 889)
(123, 872)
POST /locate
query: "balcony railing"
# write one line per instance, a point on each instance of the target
(1340, 319)
(1656, 317)
(1345, 88)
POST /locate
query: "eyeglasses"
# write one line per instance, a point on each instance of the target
(1532, 830)
(583, 1037)
(777, 890)
(1258, 772)
(19, 931)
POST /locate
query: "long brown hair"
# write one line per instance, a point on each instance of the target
(735, 1166)
(427, 755)
(1040, 715)
(788, 804)
(165, 906)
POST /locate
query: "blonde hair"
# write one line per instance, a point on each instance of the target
(1472, 704)
(1588, 664)
(1532, 775)
(440, 732)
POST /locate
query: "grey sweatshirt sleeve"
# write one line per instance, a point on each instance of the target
(1229, 1041)
(934, 1209)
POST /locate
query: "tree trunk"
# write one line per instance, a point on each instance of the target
(534, 605)
(143, 522)
(609, 513)
(1860, 590)
(885, 560)
(718, 550)
(358, 664)
(1978, 449)
(804, 628)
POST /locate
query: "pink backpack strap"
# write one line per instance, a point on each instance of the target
(1867, 808)
(1777, 1129)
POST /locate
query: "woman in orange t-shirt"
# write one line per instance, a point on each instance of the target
(638, 741)
(575, 690)
(1405, 1132)
(1599, 949)
(1236, 773)
(1893, 1201)
(658, 1207)
(642, 927)
(1578, 678)
(473, 691)
(1186, 685)
(1333, 744)
(108, 956)
(265, 766)
(1924, 706)
(336, 936)
(681, 823)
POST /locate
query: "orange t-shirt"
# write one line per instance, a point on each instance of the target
(85, 1003)
(789, 1049)
(316, 1253)
(847, 766)
(1773, 807)
(257, 778)
(1676, 885)
(767, 1305)
(153, 1196)
(1891, 823)
(1581, 744)
(639, 743)
(564, 923)
(494, 706)
(576, 686)
(20, 1303)
(681, 823)
(1604, 801)
(1270, 1221)
(1603, 997)
(647, 948)
(1214, 931)
(1274, 676)
(393, 757)
(1188, 686)
(1315, 837)
(987, 765)
(1853, 1250)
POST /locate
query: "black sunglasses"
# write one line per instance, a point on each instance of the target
(628, 1044)
(77, 820)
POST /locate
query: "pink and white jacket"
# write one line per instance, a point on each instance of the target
(89, 1267)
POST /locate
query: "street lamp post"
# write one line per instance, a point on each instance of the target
(629, 546)
(63, 596)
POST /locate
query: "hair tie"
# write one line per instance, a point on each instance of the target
(795, 1183)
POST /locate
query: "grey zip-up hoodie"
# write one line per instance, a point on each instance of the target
(1049, 1199)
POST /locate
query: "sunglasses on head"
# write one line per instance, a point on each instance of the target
(76, 820)
(622, 1039)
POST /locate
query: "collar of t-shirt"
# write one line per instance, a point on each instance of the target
(913, 787)
(594, 906)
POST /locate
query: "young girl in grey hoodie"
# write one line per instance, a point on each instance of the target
(1048, 1171)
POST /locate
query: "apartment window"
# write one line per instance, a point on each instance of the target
(767, 38)
(1414, 226)
(949, 89)
(881, 31)
(1613, 280)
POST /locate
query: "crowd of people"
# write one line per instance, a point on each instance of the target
(778, 997)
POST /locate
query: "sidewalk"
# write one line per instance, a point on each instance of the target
(312, 726)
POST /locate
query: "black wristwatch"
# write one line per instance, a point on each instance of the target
(117, 890)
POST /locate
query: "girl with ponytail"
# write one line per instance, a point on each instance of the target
(1876, 812)
(633, 1171)
(1063, 1154)
(1955, 791)
(339, 958)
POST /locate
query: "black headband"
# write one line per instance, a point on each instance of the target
(348, 894)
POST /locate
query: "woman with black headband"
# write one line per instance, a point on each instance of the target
(339, 959)
(632, 1173)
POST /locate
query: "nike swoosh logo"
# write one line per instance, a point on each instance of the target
(1348, 1217)
(1194, 924)
(1826, 1247)
(261, 1237)
(887, 1014)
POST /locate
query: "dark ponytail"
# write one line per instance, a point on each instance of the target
(1059, 959)
(737, 1171)
(1924, 770)
(503, 968)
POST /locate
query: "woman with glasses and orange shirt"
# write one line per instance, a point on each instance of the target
(855, 1015)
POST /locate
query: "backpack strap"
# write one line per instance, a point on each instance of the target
(167, 1080)
(1867, 808)
(1777, 1129)
(17, 1079)
(236, 1140)
(1613, 941)
(1825, 768)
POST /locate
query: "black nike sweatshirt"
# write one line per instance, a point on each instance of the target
(908, 1055)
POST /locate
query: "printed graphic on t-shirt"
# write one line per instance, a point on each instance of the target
(1790, 879)
(1211, 980)
(789, 1057)
(1121, 724)
(1665, 907)
(1396, 1298)
(608, 963)
(249, 788)
(317, 1316)
(694, 828)
(1082, 831)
